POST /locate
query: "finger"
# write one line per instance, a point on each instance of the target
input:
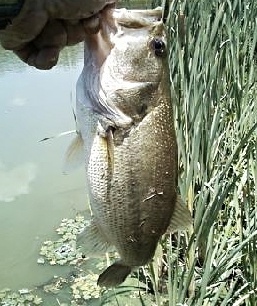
(77, 9)
(91, 25)
(22, 30)
(53, 35)
(45, 59)
(41, 59)
(78, 30)
(26, 52)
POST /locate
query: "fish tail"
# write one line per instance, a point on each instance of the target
(114, 275)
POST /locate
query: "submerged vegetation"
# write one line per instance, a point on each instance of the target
(213, 56)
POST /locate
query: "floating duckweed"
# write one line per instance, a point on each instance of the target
(81, 286)
(24, 291)
(40, 260)
(72, 226)
(64, 250)
(101, 265)
(85, 287)
(56, 285)
(22, 297)
(61, 252)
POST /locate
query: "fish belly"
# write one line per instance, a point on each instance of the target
(133, 204)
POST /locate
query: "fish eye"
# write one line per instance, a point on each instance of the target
(158, 46)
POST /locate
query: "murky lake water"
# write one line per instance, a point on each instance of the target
(34, 194)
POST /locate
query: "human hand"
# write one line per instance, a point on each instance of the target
(44, 27)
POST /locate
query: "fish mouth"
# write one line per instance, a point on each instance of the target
(109, 6)
(128, 18)
(137, 18)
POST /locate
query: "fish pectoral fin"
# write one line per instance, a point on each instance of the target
(114, 275)
(110, 148)
(92, 242)
(74, 155)
(106, 129)
(181, 218)
(58, 135)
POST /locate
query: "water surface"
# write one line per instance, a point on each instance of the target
(34, 194)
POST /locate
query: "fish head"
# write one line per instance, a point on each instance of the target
(139, 46)
(137, 65)
(125, 64)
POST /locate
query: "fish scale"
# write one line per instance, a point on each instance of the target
(129, 220)
(125, 117)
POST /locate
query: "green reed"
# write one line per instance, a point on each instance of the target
(213, 62)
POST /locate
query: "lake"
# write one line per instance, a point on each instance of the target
(34, 193)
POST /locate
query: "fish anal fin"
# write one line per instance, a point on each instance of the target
(181, 218)
(114, 275)
(92, 242)
(74, 155)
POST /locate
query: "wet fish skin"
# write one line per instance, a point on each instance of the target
(132, 175)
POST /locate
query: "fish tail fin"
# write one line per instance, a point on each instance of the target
(114, 275)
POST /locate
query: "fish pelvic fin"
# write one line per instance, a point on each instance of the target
(114, 275)
(181, 218)
(92, 242)
(74, 155)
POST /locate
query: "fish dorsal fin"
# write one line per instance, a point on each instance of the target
(181, 218)
(74, 155)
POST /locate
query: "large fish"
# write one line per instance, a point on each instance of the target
(125, 119)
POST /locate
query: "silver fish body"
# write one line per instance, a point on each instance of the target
(125, 116)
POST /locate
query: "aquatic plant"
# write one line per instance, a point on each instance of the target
(64, 250)
(22, 297)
